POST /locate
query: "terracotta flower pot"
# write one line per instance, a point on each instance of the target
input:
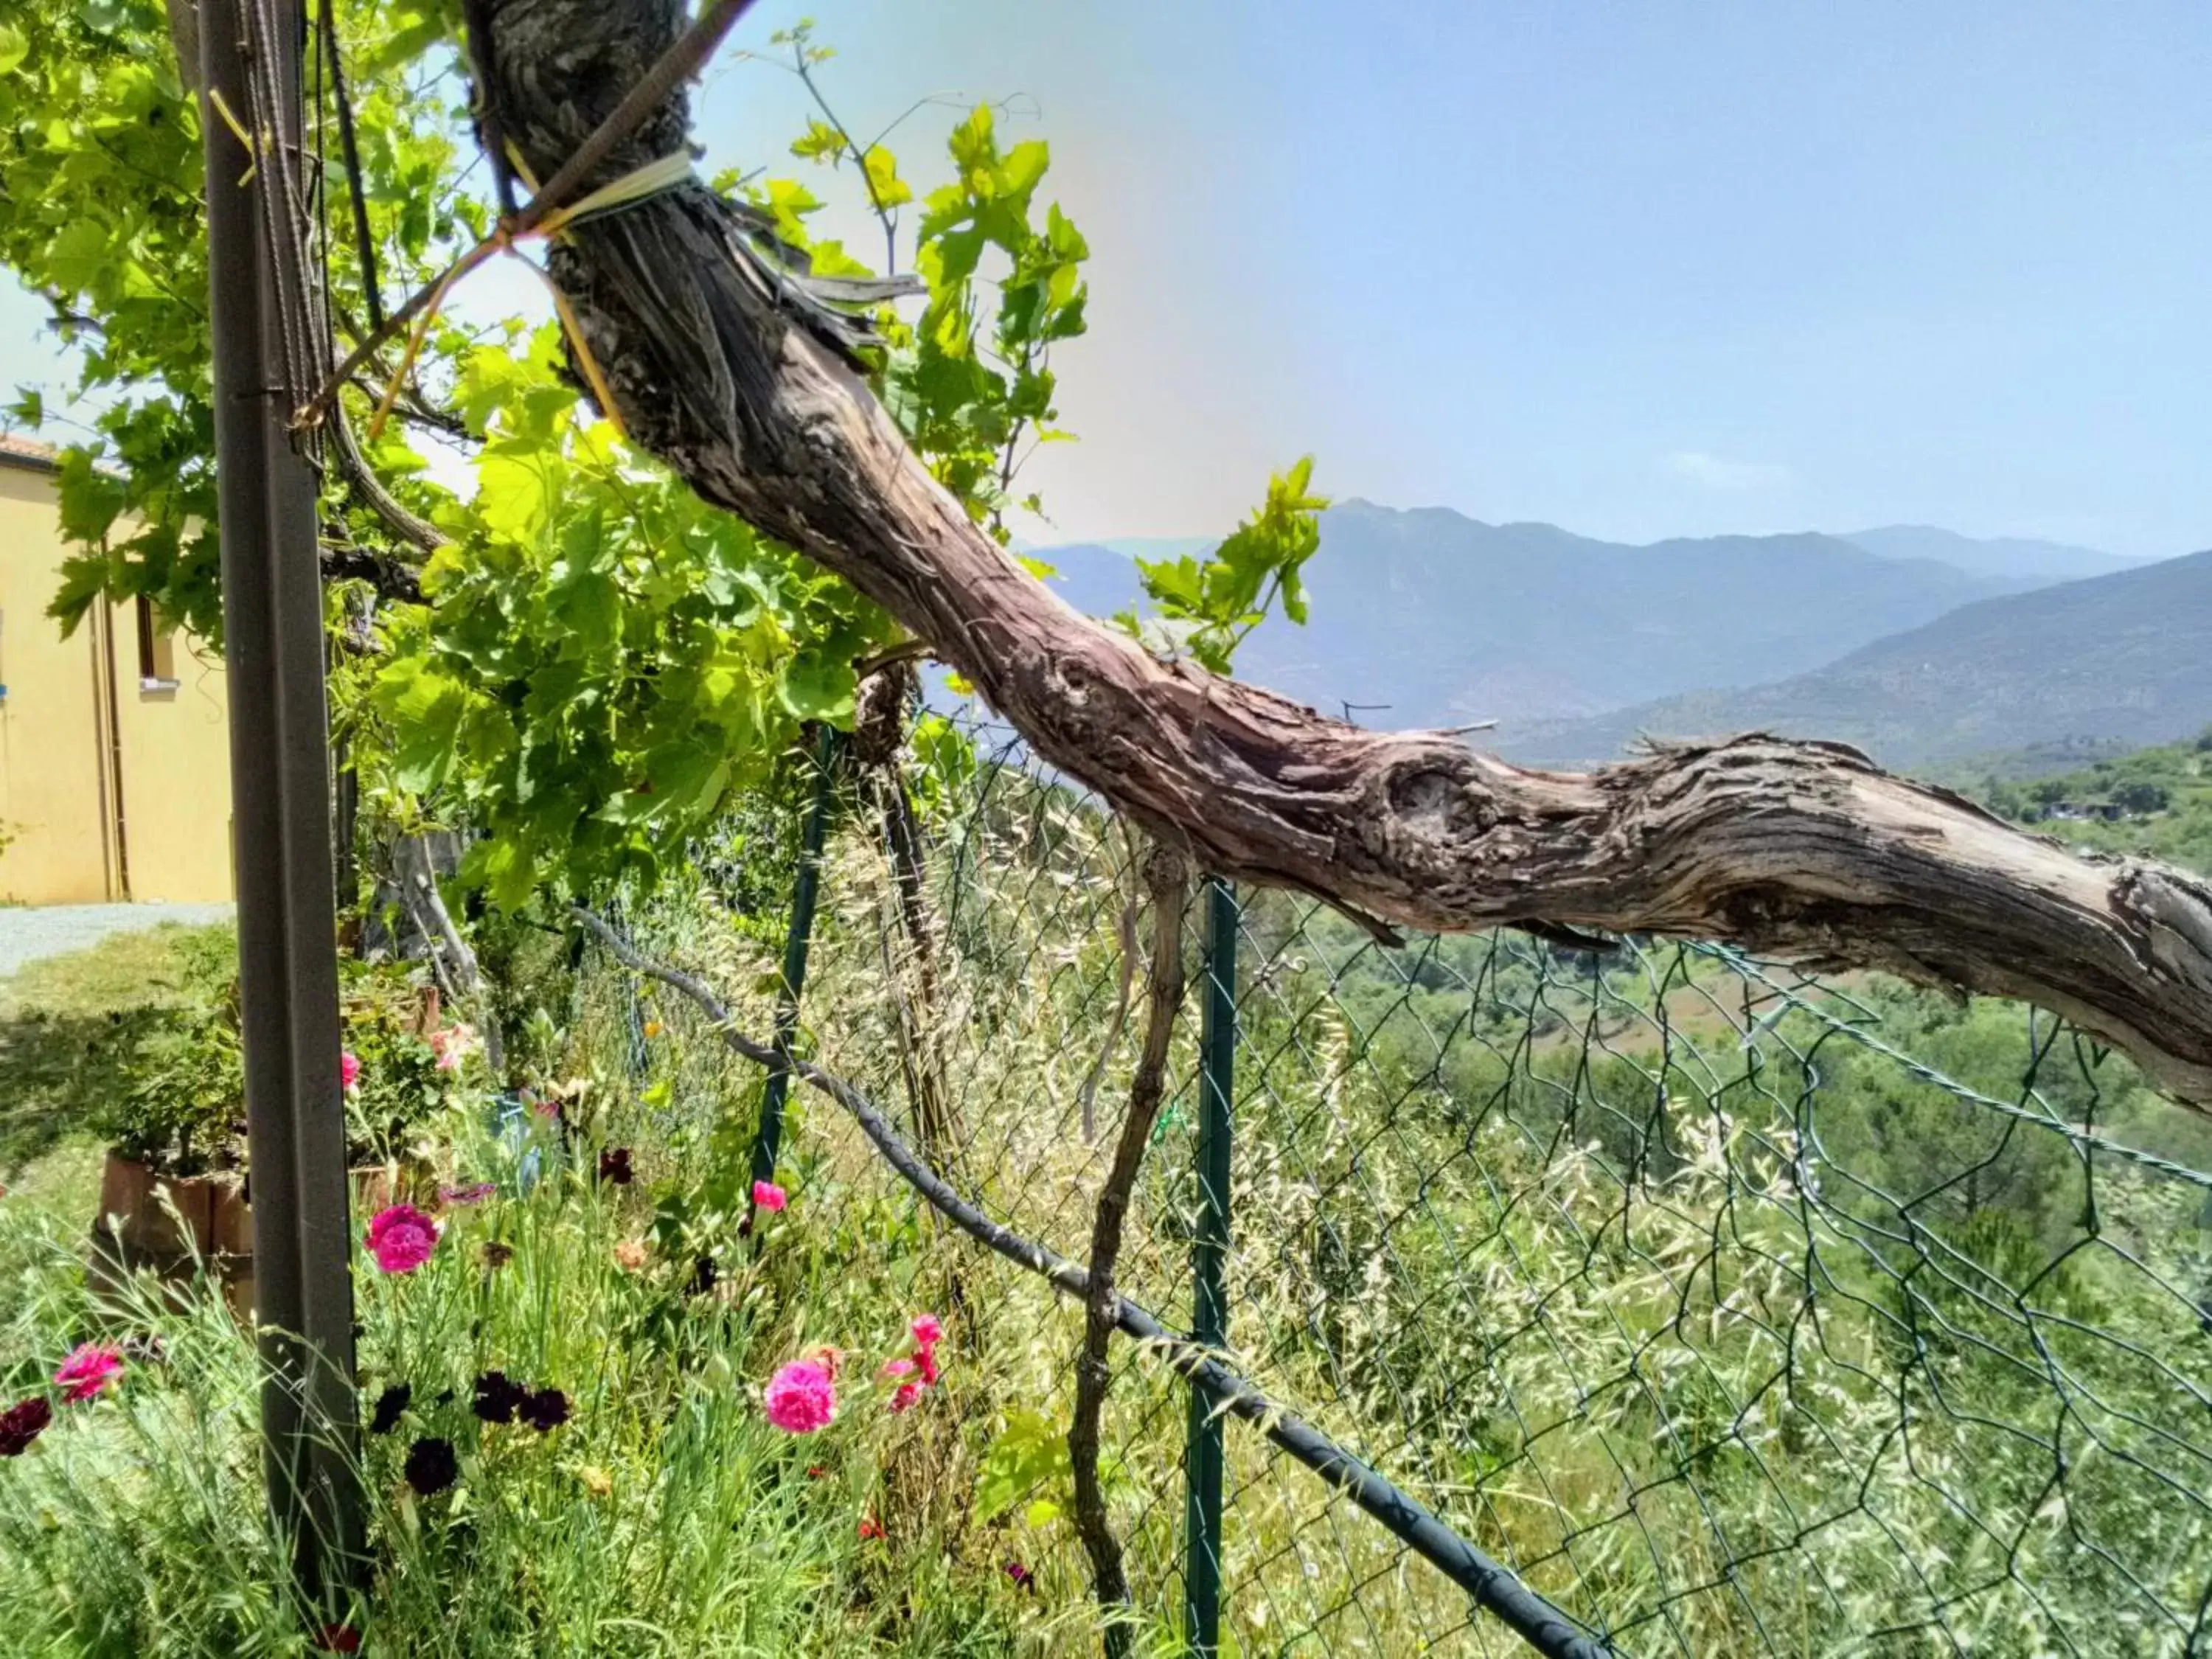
(172, 1226)
(136, 1230)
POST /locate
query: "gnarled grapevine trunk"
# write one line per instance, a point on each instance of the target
(1802, 850)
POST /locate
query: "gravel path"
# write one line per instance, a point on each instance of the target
(54, 930)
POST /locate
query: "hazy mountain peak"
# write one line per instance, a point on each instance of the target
(1425, 617)
(2002, 556)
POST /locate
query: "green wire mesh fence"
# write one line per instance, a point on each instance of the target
(1735, 1311)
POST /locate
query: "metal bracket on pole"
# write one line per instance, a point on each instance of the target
(281, 800)
(804, 892)
(1203, 1457)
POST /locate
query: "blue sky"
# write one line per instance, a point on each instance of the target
(1641, 270)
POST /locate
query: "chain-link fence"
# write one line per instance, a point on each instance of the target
(1732, 1311)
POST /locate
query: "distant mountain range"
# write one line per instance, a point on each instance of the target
(2007, 556)
(1429, 618)
(1916, 642)
(2122, 658)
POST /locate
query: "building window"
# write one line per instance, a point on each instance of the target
(157, 651)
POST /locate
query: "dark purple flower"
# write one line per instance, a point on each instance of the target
(497, 1255)
(703, 1275)
(338, 1638)
(22, 1423)
(1023, 1578)
(389, 1405)
(432, 1467)
(497, 1399)
(614, 1165)
(546, 1410)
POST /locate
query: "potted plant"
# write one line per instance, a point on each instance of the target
(172, 1190)
(176, 1186)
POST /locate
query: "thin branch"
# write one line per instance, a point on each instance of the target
(888, 217)
(368, 490)
(1168, 879)
(1492, 1585)
(475, 17)
(892, 656)
(356, 186)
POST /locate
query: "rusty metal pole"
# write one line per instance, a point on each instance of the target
(281, 801)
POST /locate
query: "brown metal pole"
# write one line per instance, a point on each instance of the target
(281, 801)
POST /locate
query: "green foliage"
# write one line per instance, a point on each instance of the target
(401, 1091)
(968, 381)
(2159, 799)
(664, 1515)
(1207, 607)
(605, 661)
(101, 190)
(182, 1098)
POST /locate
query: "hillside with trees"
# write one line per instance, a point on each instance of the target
(2124, 659)
(2151, 803)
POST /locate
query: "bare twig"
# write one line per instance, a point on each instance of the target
(1167, 879)
(892, 656)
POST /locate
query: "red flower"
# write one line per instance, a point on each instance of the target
(869, 1527)
(545, 1411)
(90, 1367)
(767, 1195)
(401, 1238)
(338, 1638)
(22, 1423)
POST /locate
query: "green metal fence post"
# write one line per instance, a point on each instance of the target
(803, 891)
(1203, 1457)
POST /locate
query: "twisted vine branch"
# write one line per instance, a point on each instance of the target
(1804, 851)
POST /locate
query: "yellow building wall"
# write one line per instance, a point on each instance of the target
(176, 772)
(68, 733)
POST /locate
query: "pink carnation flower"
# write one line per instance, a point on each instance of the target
(453, 1044)
(906, 1395)
(89, 1368)
(401, 1238)
(801, 1398)
(927, 1331)
(898, 1368)
(768, 1195)
(349, 1071)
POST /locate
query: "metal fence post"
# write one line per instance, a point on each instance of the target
(804, 891)
(1203, 1457)
(281, 796)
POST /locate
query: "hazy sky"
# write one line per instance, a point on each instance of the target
(1641, 270)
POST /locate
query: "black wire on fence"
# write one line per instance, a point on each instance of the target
(1544, 1626)
(1721, 1308)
